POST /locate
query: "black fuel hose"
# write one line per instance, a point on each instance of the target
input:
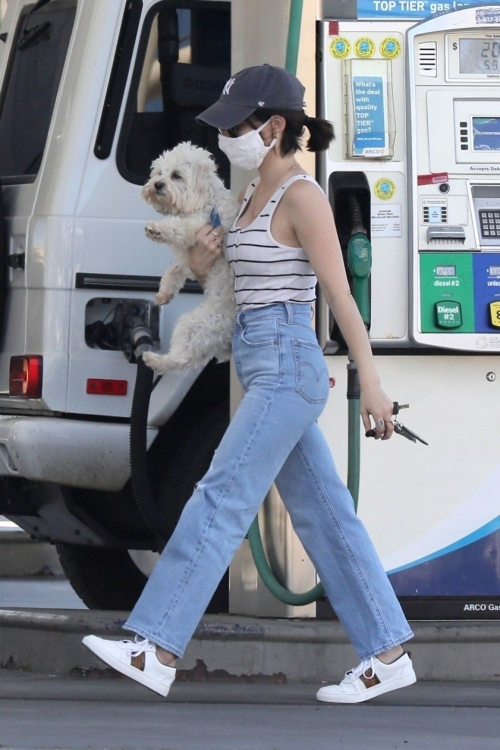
(139, 474)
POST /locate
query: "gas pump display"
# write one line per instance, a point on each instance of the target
(479, 56)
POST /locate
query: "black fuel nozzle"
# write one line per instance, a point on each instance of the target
(135, 337)
(131, 330)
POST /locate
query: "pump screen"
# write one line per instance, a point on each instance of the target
(494, 270)
(446, 270)
(478, 56)
(486, 133)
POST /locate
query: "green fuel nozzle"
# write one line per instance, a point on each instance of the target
(359, 260)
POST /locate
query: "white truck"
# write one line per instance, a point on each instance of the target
(91, 92)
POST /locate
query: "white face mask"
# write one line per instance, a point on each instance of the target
(248, 151)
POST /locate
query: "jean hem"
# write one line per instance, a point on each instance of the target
(157, 641)
(387, 646)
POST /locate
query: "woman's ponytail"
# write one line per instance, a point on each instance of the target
(321, 133)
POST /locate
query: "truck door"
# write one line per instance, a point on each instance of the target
(35, 42)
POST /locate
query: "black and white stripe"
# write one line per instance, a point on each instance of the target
(265, 271)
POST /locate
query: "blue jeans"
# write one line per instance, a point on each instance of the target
(272, 437)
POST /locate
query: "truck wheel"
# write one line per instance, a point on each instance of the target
(103, 578)
(113, 579)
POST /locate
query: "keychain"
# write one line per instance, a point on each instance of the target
(399, 428)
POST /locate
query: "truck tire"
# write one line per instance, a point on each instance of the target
(103, 578)
(109, 578)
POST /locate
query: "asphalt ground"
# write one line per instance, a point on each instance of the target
(75, 713)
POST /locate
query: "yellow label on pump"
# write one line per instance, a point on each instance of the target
(340, 47)
(390, 48)
(384, 188)
(364, 47)
(495, 314)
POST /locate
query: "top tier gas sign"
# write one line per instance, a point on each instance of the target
(399, 9)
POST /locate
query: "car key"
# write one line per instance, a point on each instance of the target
(399, 428)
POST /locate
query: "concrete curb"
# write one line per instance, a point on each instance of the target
(233, 648)
(21, 556)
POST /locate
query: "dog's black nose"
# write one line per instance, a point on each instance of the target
(159, 186)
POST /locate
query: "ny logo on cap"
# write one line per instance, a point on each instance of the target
(227, 87)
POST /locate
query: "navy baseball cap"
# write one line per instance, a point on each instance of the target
(262, 86)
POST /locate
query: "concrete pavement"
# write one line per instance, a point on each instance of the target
(75, 713)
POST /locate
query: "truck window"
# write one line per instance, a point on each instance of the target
(30, 88)
(183, 62)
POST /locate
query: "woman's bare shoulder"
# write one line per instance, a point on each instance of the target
(307, 189)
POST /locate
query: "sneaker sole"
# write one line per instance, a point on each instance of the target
(93, 644)
(369, 693)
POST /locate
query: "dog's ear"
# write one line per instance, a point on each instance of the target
(208, 164)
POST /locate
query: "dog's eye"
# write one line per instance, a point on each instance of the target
(176, 176)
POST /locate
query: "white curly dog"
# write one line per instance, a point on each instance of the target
(184, 187)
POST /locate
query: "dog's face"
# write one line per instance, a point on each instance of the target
(182, 180)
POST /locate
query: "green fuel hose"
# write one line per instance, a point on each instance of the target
(359, 255)
(293, 41)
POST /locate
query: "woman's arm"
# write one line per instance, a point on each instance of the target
(314, 226)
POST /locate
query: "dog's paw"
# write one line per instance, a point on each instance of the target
(163, 298)
(153, 233)
(155, 361)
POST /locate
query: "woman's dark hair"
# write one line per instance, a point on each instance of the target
(320, 131)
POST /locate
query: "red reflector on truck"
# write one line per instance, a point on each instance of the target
(102, 387)
(26, 376)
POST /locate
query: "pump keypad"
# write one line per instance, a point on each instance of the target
(490, 223)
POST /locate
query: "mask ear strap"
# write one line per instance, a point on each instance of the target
(261, 127)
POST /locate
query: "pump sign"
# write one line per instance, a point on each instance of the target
(399, 9)
(369, 116)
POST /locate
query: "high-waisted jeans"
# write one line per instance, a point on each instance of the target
(272, 437)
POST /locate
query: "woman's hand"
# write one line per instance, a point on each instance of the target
(203, 255)
(376, 403)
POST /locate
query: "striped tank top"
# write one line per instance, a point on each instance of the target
(265, 271)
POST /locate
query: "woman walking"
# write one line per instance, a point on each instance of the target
(282, 243)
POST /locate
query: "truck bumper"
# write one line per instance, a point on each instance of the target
(93, 455)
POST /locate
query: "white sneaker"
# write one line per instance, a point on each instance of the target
(369, 679)
(136, 659)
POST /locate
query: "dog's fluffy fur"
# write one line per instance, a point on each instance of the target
(184, 187)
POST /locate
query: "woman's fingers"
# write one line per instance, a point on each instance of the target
(208, 235)
(383, 426)
(381, 413)
(389, 429)
(207, 249)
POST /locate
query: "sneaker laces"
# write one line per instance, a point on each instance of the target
(138, 647)
(362, 669)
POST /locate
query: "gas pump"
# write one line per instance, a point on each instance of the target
(417, 116)
(414, 101)
(454, 81)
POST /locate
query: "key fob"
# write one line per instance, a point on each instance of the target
(215, 218)
(407, 433)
